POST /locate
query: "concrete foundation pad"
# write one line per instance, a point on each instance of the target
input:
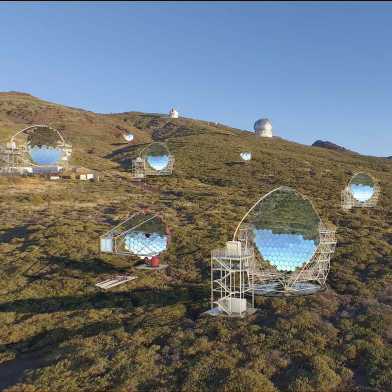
(219, 312)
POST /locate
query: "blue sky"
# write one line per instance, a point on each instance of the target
(317, 70)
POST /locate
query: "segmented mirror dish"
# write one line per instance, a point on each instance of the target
(45, 146)
(284, 229)
(362, 187)
(146, 237)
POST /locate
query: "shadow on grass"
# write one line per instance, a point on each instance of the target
(16, 232)
(94, 265)
(12, 371)
(57, 336)
(33, 352)
(20, 232)
(234, 163)
(126, 149)
(107, 300)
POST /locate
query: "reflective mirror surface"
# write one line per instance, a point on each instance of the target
(285, 229)
(362, 187)
(157, 156)
(246, 156)
(148, 237)
(46, 155)
(45, 147)
(158, 162)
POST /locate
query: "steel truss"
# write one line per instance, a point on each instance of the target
(231, 283)
(238, 273)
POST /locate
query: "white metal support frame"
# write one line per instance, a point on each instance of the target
(231, 283)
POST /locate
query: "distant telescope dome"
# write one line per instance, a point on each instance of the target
(263, 127)
(246, 156)
(173, 113)
(128, 137)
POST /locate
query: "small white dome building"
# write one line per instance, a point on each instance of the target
(173, 113)
(246, 155)
(128, 136)
(263, 127)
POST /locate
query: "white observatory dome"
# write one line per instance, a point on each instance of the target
(263, 127)
(246, 155)
(128, 137)
(173, 113)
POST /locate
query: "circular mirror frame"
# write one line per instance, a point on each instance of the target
(348, 200)
(141, 167)
(22, 148)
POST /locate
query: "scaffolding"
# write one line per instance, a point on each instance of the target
(231, 284)
(348, 201)
(13, 159)
(137, 170)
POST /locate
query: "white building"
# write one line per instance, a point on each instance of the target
(263, 127)
(173, 113)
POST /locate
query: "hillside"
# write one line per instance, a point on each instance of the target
(60, 333)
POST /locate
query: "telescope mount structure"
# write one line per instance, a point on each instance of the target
(349, 197)
(16, 160)
(280, 248)
(154, 160)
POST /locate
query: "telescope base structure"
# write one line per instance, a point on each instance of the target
(231, 284)
(15, 159)
(141, 169)
(349, 201)
(309, 279)
(218, 311)
(279, 290)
